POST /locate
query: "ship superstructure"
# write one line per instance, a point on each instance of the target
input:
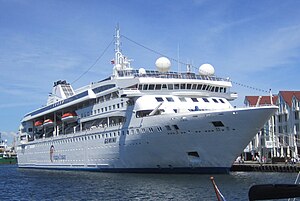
(140, 121)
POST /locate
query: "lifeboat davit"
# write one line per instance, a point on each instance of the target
(38, 124)
(48, 123)
(69, 117)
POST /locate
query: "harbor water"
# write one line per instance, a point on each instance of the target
(25, 184)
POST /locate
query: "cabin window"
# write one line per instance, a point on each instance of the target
(215, 100)
(182, 99)
(170, 99)
(143, 113)
(176, 127)
(159, 99)
(205, 100)
(168, 127)
(218, 123)
(193, 153)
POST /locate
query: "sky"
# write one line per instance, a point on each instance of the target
(254, 43)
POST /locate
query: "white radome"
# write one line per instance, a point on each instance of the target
(206, 69)
(142, 71)
(163, 64)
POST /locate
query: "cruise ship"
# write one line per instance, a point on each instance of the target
(139, 120)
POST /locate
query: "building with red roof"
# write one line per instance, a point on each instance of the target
(280, 136)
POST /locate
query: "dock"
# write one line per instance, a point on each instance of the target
(265, 167)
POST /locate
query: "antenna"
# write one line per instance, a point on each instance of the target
(117, 46)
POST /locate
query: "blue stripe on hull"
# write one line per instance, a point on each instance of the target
(196, 170)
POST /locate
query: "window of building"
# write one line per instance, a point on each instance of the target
(296, 115)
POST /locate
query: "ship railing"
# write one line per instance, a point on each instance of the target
(260, 105)
(169, 75)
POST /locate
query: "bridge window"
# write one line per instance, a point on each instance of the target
(158, 87)
(151, 86)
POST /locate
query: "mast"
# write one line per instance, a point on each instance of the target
(121, 63)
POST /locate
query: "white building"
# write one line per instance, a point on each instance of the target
(280, 135)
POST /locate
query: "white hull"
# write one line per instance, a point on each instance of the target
(158, 151)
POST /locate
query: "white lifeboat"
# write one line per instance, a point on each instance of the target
(48, 123)
(69, 117)
(38, 124)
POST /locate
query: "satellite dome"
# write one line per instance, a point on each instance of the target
(206, 69)
(163, 64)
(142, 71)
